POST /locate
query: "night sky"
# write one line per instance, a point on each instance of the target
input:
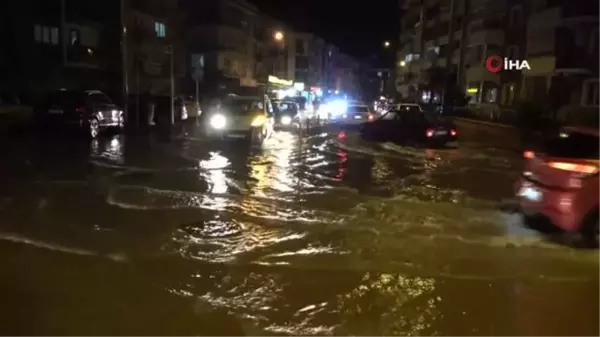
(357, 27)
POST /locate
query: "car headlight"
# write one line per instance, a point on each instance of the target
(286, 120)
(218, 121)
(259, 121)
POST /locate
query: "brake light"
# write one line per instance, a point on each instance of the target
(528, 154)
(452, 132)
(80, 109)
(572, 167)
(341, 135)
(429, 132)
(371, 117)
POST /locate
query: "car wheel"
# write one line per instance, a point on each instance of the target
(94, 128)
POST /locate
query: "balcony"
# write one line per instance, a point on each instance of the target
(575, 12)
(478, 73)
(487, 36)
(544, 21)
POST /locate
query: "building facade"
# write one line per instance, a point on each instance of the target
(154, 50)
(60, 44)
(445, 44)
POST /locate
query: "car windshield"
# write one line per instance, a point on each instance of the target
(285, 106)
(242, 107)
(65, 98)
(357, 109)
(409, 108)
(573, 145)
(99, 98)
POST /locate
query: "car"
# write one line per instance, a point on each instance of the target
(560, 182)
(286, 113)
(89, 110)
(413, 127)
(357, 113)
(409, 107)
(248, 118)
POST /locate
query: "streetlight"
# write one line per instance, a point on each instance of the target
(403, 63)
(278, 36)
(386, 44)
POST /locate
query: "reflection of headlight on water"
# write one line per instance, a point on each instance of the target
(218, 121)
(286, 120)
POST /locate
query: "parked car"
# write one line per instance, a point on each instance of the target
(560, 182)
(88, 110)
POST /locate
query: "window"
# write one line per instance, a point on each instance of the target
(45, 34)
(75, 37)
(512, 52)
(593, 44)
(300, 47)
(516, 16)
(389, 116)
(591, 92)
(160, 29)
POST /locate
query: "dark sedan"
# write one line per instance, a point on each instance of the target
(410, 127)
(91, 111)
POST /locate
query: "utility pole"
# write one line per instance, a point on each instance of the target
(63, 30)
(125, 87)
(450, 51)
(172, 84)
(460, 73)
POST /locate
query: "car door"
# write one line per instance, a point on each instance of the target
(386, 126)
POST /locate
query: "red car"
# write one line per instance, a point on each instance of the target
(560, 182)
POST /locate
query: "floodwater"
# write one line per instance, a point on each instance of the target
(313, 235)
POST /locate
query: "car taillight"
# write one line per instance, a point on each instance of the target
(576, 168)
(341, 135)
(452, 132)
(528, 154)
(429, 132)
(80, 109)
(371, 117)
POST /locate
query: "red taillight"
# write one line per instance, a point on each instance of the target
(572, 167)
(80, 109)
(341, 135)
(452, 132)
(528, 154)
(429, 132)
(371, 117)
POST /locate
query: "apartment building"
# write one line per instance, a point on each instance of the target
(52, 44)
(154, 48)
(546, 33)
(310, 60)
(274, 50)
(562, 49)
(222, 40)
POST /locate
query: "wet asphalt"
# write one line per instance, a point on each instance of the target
(309, 234)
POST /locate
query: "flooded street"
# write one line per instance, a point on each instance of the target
(317, 235)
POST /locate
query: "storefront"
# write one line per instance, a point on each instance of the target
(280, 88)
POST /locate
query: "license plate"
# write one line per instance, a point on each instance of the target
(441, 133)
(55, 111)
(531, 193)
(236, 135)
(357, 117)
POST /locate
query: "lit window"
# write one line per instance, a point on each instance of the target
(160, 29)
